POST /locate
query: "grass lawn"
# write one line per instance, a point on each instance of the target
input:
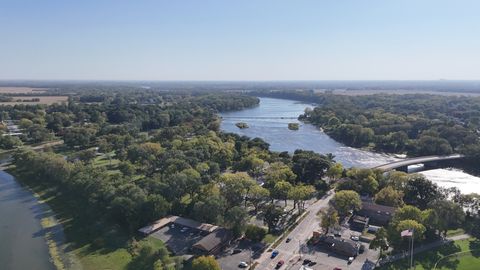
(455, 232)
(427, 260)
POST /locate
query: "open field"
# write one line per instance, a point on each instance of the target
(43, 100)
(427, 260)
(21, 90)
(397, 92)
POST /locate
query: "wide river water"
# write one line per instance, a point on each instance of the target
(22, 243)
(270, 119)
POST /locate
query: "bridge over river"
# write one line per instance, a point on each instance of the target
(427, 161)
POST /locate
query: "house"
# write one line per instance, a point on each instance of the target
(359, 223)
(378, 214)
(342, 246)
(214, 242)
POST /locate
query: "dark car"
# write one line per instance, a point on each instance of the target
(280, 264)
(274, 254)
(312, 263)
(236, 251)
(288, 239)
(306, 261)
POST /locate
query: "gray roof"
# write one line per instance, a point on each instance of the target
(219, 237)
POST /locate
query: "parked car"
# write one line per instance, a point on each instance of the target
(355, 238)
(306, 261)
(236, 251)
(288, 239)
(243, 265)
(274, 254)
(350, 260)
(361, 249)
(337, 268)
(312, 263)
(280, 264)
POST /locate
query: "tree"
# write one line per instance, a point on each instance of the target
(278, 172)
(450, 215)
(408, 224)
(420, 191)
(380, 240)
(335, 171)
(235, 187)
(389, 196)
(255, 233)
(235, 220)
(299, 194)
(281, 189)
(329, 219)
(309, 166)
(346, 200)
(205, 263)
(257, 195)
(272, 215)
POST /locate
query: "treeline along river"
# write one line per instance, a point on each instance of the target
(270, 119)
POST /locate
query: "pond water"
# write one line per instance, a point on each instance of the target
(22, 238)
(270, 119)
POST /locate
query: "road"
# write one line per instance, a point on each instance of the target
(289, 252)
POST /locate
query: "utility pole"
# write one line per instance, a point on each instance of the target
(411, 250)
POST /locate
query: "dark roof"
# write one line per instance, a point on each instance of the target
(342, 246)
(377, 212)
(215, 239)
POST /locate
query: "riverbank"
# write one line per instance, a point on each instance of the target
(83, 244)
(52, 230)
(23, 244)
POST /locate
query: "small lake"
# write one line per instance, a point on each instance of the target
(22, 238)
(269, 122)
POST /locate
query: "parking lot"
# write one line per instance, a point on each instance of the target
(179, 239)
(325, 258)
(243, 251)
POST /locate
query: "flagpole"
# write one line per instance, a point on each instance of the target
(411, 250)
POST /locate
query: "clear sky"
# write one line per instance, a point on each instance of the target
(240, 39)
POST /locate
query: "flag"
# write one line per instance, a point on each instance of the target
(406, 233)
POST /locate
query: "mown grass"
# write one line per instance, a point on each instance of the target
(427, 260)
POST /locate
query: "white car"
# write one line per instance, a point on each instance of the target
(243, 265)
(350, 259)
(355, 238)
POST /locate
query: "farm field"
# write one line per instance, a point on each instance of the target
(43, 100)
(20, 90)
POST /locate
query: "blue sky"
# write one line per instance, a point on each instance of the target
(240, 40)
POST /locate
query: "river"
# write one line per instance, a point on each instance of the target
(269, 122)
(22, 238)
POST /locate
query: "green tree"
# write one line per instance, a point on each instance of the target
(346, 200)
(272, 215)
(281, 189)
(205, 263)
(389, 196)
(450, 215)
(257, 195)
(329, 219)
(380, 240)
(335, 171)
(299, 194)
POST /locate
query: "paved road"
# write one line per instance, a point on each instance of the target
(289, 252)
